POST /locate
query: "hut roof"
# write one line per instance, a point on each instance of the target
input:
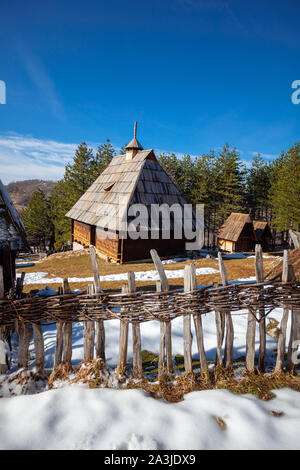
(12, 230)
(233, 226)
(259, 225)
(125, 182)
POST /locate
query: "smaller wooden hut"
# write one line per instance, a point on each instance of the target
(237, 233)
(263, 234)
(12, 238)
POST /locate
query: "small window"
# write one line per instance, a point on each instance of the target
(109, 187)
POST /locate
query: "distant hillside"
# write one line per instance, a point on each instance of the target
(20, 191)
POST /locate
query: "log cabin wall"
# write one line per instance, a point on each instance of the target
(82, 233)
(226, 245)
(109, 246)
(246, 241)
(8, 262)
(140, 249)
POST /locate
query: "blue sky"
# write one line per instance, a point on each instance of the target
(194, 74)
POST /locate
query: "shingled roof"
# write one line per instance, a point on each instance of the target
(12, 230)
(125, 182)
(233, 226)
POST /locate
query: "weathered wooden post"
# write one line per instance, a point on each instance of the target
(284, 320)
(259, 272)
(24, 342)
(228, 353)
(59, 338)
(2, 330)
(67, 331)
(168, 328)
(100, 330)
(162, 341)
(89, 332)
(137, 364)
(123, 341)
(39, 346)
(295, 329)
(187, 332)
(198, 326)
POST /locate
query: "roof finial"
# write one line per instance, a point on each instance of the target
(135, 128)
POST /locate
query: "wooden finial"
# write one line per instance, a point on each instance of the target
(135, 128)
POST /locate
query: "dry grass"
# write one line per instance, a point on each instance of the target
(260, 385)
(77, 264)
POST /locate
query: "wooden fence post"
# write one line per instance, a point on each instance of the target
(284, 320)
(59, 338)
(89, 333)
(187, 333)
(123, 341)
(198, 326)
(67, 331)
(137, 363)
(162, 342)
(295, 329)
(39, 346)
(2, 330)
(168, 327)
(100, 330)
(24, 342)
(259, 272)
(228, 353)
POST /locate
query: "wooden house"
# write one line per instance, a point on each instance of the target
(133, 178)
(263, 234)
(237, 233)
(12, 238)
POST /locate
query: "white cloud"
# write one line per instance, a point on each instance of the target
(25, 157)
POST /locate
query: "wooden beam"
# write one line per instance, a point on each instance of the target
(187, 332)
(137, 363)
(160, 269)
(89, 332)
(259, 272)
(168, 327)
(198, 326)
(67, 331)
(285, 314)
(228, 353)
(123, 342)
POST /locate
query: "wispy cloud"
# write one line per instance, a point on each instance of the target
(25, 157)
(265, 156)
(42, 80)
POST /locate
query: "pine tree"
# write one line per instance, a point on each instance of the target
(37, 219)
(230, 183)
(173, 167)
(103, 157)
(80, 174)
(257, 188)
(59, 206)
(285, 190)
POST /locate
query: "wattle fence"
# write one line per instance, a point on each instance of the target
(130, 306)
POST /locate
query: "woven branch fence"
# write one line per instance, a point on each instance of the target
(95, 307)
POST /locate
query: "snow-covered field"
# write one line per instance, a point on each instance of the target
(152, 275)
(81, 418)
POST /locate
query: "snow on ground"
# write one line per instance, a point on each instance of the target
(152, 275)
(80, 418)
